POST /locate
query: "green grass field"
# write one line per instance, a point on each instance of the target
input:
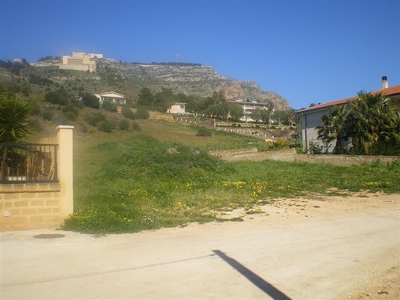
(163, 177)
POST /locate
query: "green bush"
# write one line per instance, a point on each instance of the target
(105, 126)
(35, 125)
(203, 131)
(142, 113)
(136, 126)
(69, 115)
(47, 115)
(128, 113)
(108, 106)
(36, 111)
(90, 100)
(124, 124)
(94, 118)
(58, 97)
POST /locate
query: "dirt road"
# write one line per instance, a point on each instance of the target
(318, 248)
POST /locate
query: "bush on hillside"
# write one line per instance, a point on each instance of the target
(94, 118)
(58, 97)
(136, 126)
(36, 111)
(47, 115)
(128, 113)
(142, 113)
(108, 106)
(35, 125)
(105, 126)
(204, 132)
(124, 124)
(90, 100)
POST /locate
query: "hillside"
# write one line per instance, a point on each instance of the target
(189, 79)
(130, 78)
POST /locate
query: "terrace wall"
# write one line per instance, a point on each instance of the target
(41, 205)
(290, 155)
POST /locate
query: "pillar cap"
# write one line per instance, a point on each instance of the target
(65, 127)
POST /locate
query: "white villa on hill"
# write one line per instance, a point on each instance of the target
(248, 108)
(177, 108)
(112, 97)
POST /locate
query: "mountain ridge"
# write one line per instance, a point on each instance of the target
(129, 78)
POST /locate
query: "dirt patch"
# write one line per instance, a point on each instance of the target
(385, 283)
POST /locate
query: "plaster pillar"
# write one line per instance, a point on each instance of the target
(65, 169)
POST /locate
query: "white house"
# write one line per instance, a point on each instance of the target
(177, 108)
(112, 97)
(248, 108)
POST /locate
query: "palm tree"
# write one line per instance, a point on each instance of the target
(13, 125)
(334, 127)
(372, 121)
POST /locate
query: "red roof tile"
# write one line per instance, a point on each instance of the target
(393, 90)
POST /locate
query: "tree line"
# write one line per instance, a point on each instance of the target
(215, 106)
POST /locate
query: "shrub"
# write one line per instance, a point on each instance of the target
(203, 131)
(35, 124)
(58, 97)
(282, 143)
(136, 126)
(142, 113)
(94, 118)
(36, 111)
(105, 126)
(90, 100)
(314, 148)
(108, 106)
(47, 115)
(128, 113)
(69, 115)
(124, 124)
(70, 107)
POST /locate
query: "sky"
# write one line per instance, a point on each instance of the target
(306, 51)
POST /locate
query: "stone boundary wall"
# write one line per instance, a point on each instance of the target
(290, 155)
(30, 205)
(344, 160)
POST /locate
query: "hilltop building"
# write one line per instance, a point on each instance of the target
(80, 61)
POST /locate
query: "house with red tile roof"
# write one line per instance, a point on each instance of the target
(311, 116)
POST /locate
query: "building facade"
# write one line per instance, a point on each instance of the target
(177, 108)
(80, 61)
(248, 108)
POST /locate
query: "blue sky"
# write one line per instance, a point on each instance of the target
(306, 51)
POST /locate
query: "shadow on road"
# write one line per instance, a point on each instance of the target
(263, 285)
